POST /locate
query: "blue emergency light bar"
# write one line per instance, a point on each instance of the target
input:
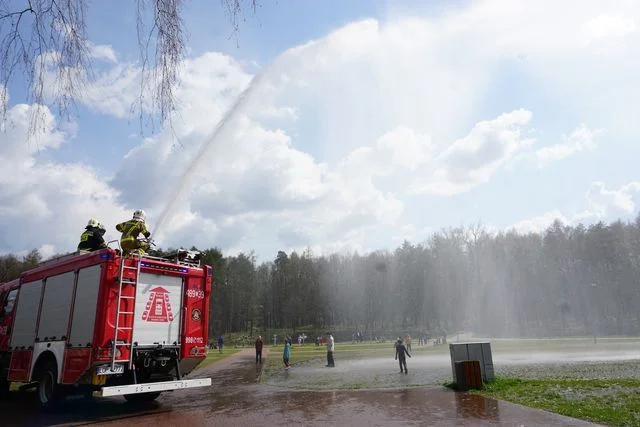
(164, 267)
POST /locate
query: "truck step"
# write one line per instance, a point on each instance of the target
(124, 328)
(126, 312)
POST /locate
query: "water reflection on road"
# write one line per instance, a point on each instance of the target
(236, 399)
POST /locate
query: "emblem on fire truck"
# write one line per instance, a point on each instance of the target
(158, 308)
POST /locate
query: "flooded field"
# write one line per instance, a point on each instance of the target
(431, 366)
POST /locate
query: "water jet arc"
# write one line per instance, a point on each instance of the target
(208, 142)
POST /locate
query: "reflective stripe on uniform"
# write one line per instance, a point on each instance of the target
(127, 229)
(130, 230)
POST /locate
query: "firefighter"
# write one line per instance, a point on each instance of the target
(91, 239)
(130, 231)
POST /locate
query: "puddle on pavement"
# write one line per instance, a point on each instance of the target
(416, 406)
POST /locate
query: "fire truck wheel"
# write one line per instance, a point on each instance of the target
(48, 390)
(142, 397)
(5, 386)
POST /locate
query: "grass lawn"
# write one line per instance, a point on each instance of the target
(273, 362)
(214, 356)
(298, 354)
(614, 402)
(343, 351)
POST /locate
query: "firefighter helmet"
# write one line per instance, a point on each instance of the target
(93, 223)
(139, 215)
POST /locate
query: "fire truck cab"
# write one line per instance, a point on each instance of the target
(102, 324)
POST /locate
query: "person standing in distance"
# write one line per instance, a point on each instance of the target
(286, 354)
(401, 351)
(330, 348)
(259, 344)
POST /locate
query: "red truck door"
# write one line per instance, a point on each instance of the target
(7, 305)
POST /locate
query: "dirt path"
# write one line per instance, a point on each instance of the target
(235, 398)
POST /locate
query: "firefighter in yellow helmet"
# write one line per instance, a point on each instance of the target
(91, 239)
(130, 230)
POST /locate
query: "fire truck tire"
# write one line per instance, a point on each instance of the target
(48, 390)
(5, 386)
(142, 397)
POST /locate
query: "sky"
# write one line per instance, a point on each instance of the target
(363, 124)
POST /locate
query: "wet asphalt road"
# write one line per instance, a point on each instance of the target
(235, 398)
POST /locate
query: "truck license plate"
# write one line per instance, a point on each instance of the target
(106, 370)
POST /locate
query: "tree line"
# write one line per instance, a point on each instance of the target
(567, 280)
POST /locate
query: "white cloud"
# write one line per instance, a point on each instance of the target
(114, 92)
(411, 233)
(581, 139)
(540, 223)
(605, 33)
(15, 144)
(102, 52)
(372, 118)
(399, 149)
(114, 89)
(606, 25)
(472, 160)
(621, 201)
(279, 113)
(44, 204)
(601, 204)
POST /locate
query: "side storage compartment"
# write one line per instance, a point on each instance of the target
(24, 331)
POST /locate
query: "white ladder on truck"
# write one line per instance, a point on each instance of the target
(137, 258)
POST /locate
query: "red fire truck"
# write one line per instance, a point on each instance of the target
(102, 324)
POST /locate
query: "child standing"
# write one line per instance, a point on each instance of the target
(286, 355)
(401, 350)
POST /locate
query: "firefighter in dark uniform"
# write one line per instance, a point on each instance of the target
(91, 239)
(130, 230)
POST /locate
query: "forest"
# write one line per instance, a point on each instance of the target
(567, 280)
